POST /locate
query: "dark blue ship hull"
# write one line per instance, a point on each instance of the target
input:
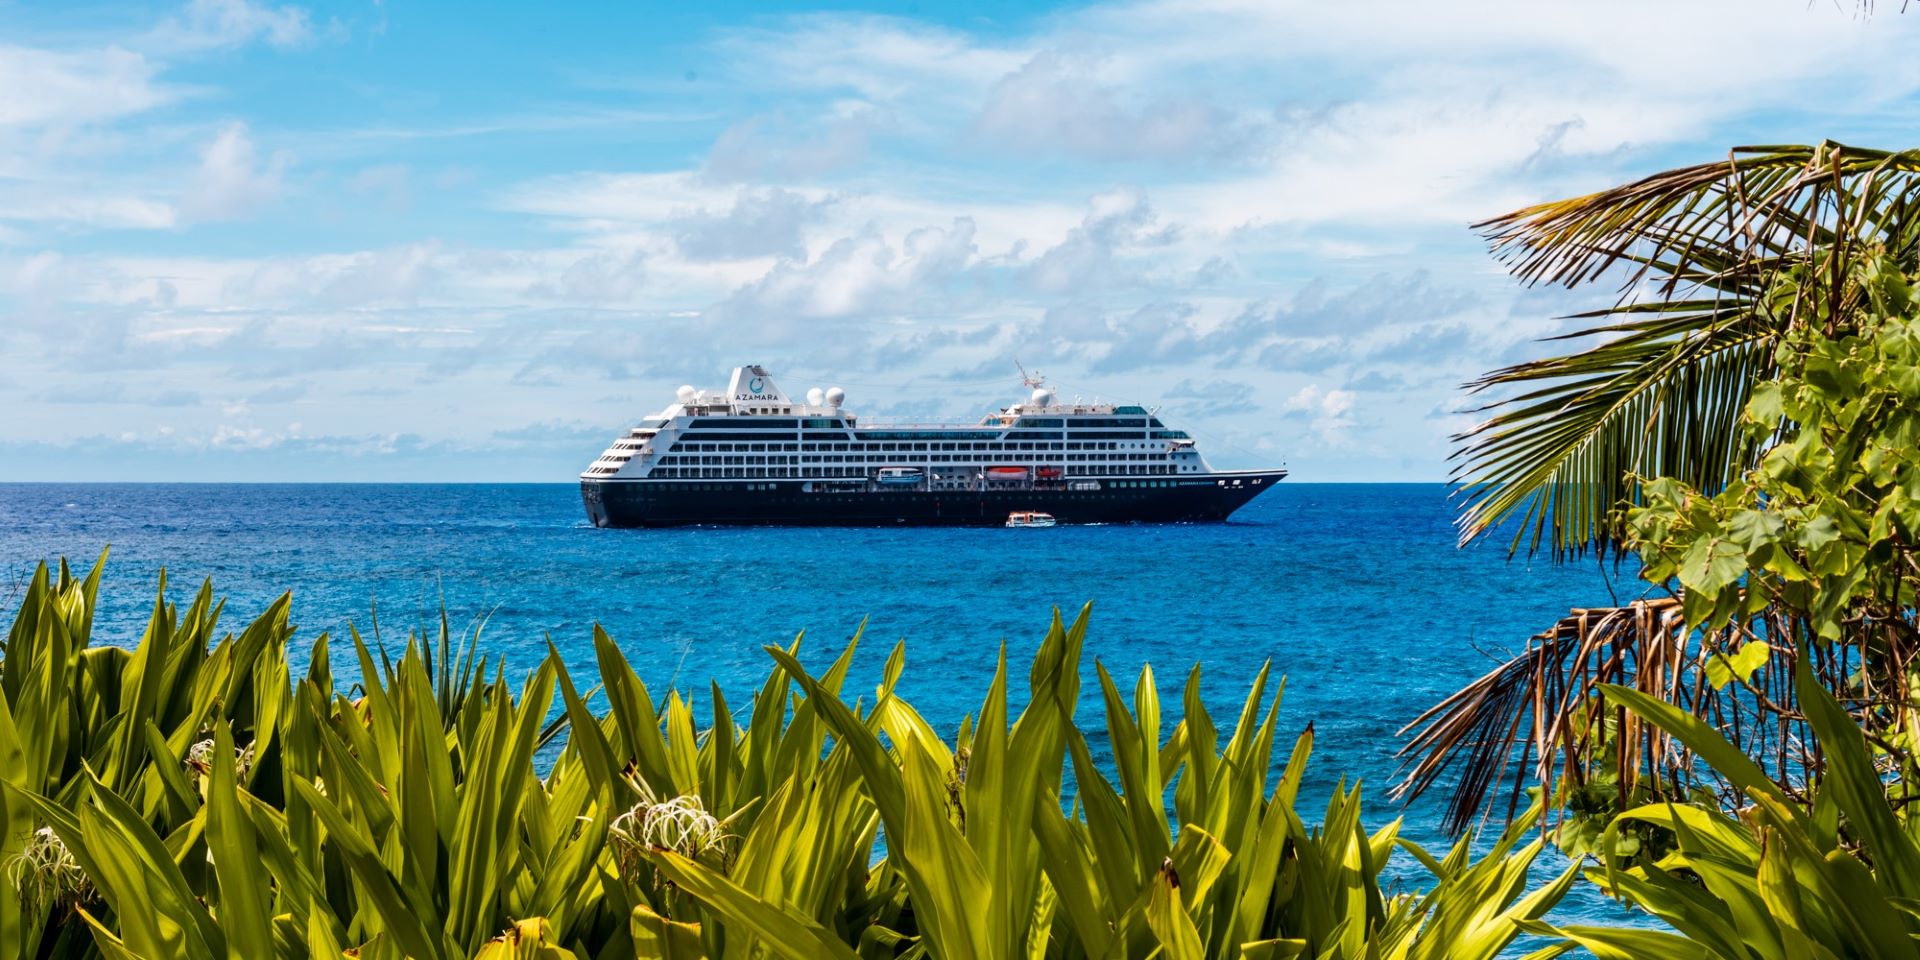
(672, 503)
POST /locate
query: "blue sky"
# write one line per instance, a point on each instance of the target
(397, 241)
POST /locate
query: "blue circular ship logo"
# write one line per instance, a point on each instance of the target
(756, 384)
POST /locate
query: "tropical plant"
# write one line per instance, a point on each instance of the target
(995, 866)
(1747, 435)
(1826, 525)
(1698, 254)
(1835, 879)
(108, 735)
(188, 799)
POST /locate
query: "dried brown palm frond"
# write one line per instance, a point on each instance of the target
(1538, 720)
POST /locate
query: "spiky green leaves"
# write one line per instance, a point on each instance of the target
(1781, 880)
(413, 820)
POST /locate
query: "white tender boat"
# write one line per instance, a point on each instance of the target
(1030, 518)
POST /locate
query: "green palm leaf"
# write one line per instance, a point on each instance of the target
(1699, 252)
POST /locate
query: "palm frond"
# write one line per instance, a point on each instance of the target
(1698, 252)
(1538, 720)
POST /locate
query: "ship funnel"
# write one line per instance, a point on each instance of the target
(752, 384)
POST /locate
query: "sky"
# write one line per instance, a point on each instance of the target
(471, 242)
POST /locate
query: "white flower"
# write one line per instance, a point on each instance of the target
(681, 825)
(200, 759)
(46, 872)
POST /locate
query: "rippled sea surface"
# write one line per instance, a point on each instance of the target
(1355, 593)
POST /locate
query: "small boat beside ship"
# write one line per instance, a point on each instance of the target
(1030, 518)
(750, 455)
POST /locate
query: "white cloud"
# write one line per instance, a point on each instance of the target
(209, 24)
(761, 223)
(662, 205)
(396, 275)
(601, 200)
(1330, 412)
(609, 276)
(49, 279)
(882, 59)
(1441, 113)
(1057, 103)
(1213, 397)
(232, 182)
(862, 275)
(46, 88)
(766, 149)
(1378, 113)
(77, 206)
(1117, 223)
(77, 147)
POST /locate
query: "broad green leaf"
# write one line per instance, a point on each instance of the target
(1858, 789)
(1621, 943)
(657, 938)
(1167, 917)
(1723, 669)
(1712, 565)
(780, 931)
(404, 919)
(1709, 745)
(245, 893)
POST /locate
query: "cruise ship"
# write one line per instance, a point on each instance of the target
(751, 456)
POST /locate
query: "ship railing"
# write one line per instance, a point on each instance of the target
(867, 423)
(875, 423)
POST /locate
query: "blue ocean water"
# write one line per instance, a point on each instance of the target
(1355, 593)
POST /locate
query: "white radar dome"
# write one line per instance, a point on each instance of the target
(686, 393)
(836, 396)
(1043, 397)
(816, 396)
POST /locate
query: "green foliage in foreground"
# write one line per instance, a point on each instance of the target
(189, 799)
(1828, 524)
(1838, 879)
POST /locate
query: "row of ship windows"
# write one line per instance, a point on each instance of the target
(945, 436)
(869, 436)
(777, 460)
(808, 473)
(875, 436)
(615, 459)
(757, 423)
(1116, 484)
(686, 447)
